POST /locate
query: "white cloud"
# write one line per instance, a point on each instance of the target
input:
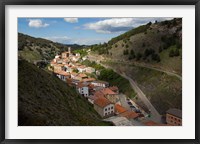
(37, 23)
(71, 20)
(80, 41)
(60, 39)
(119, 24)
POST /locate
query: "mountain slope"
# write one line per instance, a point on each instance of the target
(45, 100)
(32, 49)
(157, 45)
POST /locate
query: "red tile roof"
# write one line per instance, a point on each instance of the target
(82, 75)
(114, 88)
(80, 85)
(63, 73)
(152, 123)
(119, 108)
(88, 79)
(98, 94)
(102, 102)
(130, 114)
(107, 91)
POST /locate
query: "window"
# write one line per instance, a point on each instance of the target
(106, 109)
(105, 113)
(111, 107)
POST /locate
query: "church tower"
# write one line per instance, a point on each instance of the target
(69, 50)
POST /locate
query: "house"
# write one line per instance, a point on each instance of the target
(57, 56)
(83, 89)
(75, 58)
(100, 83)
(119, 109)
(78, 54)
(81, 68)
(52, 63)
(152, 123)
(84, 58)
(104, 107)
(96, 95)
(114, 89)
(80, 76)
(89, 70)
(64, 55)
(174, 117)
(89, 79)
(59, 61)
(110, 95)
(58, 67)
(130, 115)
(62, 75)
(73, 75)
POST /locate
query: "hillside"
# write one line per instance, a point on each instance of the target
(31, 48)
(156, 44)
(162, 90)
(45, 100)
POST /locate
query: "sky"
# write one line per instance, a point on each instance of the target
(83, 31)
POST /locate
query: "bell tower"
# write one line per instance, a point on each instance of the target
(69, 50)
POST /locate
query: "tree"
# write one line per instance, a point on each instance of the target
(176, 52)
(171, 53)
(138, 56)
(143, 44)
(160, 49)
(155, 57)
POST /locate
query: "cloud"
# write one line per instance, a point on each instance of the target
(71, 20)
(113, 25)
(60, 39)
(37, 23)
(80, 41)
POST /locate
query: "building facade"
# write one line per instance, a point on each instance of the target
(174, 117)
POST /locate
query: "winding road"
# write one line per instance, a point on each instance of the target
(155, 116)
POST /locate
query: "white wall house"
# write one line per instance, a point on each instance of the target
(83, 90)
(104, 107)
(81, 69)
(90, 70)
(100, 83)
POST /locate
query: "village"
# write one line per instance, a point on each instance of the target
(107, 100)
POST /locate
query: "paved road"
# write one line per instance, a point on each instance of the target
(154, 113)
(100, 58)
(155, 116)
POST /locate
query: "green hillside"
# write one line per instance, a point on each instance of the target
(31, 48)
(148, 44)
(45, 100)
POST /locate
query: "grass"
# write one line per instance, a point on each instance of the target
(172, 63)
(162, 90)
(117, 80)
(30, 55)
(45, 100)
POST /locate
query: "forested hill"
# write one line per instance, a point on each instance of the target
(45, 100)
(31, 48)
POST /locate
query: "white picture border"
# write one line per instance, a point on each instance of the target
(187, 131)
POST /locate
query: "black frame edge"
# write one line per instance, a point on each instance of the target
(2, 74)
(197, 70)
(101, 2)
